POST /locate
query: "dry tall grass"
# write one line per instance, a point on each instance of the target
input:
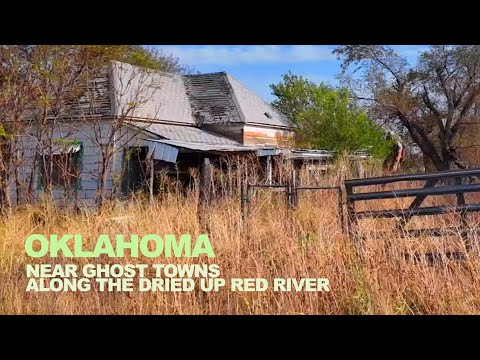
(306, 242)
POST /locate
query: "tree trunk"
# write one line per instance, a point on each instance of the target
(448, 159)
(31, 181)
(428, 163)
(103, 182)
(5, 201)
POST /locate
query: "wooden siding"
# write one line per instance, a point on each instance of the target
(257, 135)
(232, 131)
(90, 164)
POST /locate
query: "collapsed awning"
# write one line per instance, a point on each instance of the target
(58, 149)
(160, 151)
(175, 138)
(204, 147)
(268, 151)
(184, 134)
(307, 154)
(311, 154)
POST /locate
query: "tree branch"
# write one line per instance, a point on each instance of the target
(467, 106)
(419, 136)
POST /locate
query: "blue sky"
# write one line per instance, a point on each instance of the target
(257, 66)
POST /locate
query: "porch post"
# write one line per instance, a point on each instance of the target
(269, 169)
(205, 192)
(152, 177)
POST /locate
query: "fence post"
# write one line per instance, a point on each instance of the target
(352, 222)
(463, 218)
(150, 162)
(205, 193)
(341, 207)
(152, 177)
(291, 190)
(351, 217)
(243, 202)
(269, 169)
(247, 200)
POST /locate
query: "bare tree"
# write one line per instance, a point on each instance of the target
(41, 91)
(430, 101)
(17, 97)
(132, 90)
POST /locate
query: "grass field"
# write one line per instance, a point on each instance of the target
(275, 242)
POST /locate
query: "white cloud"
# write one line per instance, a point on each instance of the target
(249, 54)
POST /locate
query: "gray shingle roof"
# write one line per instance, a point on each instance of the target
(160, 96)
(211, 98)
(220, 98)
(187, 134)
(254, 108)
(215, 98)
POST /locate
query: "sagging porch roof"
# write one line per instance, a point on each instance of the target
(197, 146)
(188, 134)
(173, 138)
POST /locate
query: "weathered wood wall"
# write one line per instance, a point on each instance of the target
(257, 135)
(232, 131)
(90, 160)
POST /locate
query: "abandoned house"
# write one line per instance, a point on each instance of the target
(174, 121)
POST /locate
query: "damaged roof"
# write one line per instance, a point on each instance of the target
(188, 134)
(216, 98)
(211, 99)
(219, 98)
(205, 147)
(189, 137)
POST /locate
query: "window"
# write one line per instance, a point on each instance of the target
(134, 169)
(61, 167)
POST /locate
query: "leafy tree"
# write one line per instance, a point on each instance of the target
(327, 118)
(294, 95)
(431, 101)
(137, 55)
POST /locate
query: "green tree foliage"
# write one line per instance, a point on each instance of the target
(295, 94)
(435, 101)
(137, 55)
(4, 134)
(327, 118)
